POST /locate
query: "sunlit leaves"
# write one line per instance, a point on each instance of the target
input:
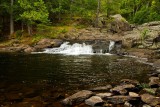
(33, 11)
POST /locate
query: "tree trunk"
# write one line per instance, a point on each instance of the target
(98, 11)
(59, 13)
(11, 19)
(71, 13)
(29, 29)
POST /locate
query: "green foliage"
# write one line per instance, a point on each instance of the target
(18, 34)
(34, 11)
(37, 38)
(144, 85)
(150, 90)
(45, 31)
(144, 35)
(49, 31)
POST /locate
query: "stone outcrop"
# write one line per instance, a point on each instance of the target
(119, 24)
(77, 98)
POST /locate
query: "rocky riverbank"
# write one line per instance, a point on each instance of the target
(129, 93)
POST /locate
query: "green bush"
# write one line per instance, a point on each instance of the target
(18, 34)
(144, 35)
(45, 31)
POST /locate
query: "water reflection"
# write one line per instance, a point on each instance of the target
(70, 72)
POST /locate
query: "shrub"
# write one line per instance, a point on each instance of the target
(144, 35)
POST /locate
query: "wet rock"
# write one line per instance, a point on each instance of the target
(104, 95)
(34, 99)
(154, 82)
(29, 50)
(127, 104)
(94, 101)
(116, 49)
(48, 43)
(145, 105)
(158, 92)
(157, 63)
(133, 94)
(29, 92)
(100, 46)
(150, 99)
(103, 88)
(122, 88)
(129, 81)
(119, 99)
(13, 96)
(28, 104)
(77, 97)
(119, 90)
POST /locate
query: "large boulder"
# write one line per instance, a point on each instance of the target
(94, 101)
(150, 99)
(115, 47)
(77, 98)
(100, 46)
(119, 24)
(48, 43)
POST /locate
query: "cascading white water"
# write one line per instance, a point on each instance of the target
(111, 45)
(75, 49)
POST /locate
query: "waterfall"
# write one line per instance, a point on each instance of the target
(111, 45)
(74, 49)
(79, 49)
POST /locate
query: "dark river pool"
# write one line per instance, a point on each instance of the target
(26, 76)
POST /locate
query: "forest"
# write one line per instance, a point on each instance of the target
(17, 16)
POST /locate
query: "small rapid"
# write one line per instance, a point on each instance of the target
(74, 49)
(77, 49)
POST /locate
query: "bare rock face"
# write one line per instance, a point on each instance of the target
(94, 101)
(150, 100)
(77, 97)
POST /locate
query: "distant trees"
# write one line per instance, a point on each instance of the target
(33, 12)
(140, 11)
(11, 18)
